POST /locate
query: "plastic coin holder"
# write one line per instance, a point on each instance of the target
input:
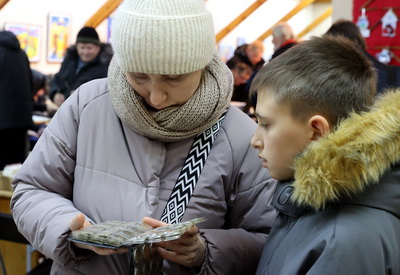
(115, 234)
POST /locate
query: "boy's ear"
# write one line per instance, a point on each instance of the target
(320, 126)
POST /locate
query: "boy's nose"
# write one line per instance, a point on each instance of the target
(256, 142)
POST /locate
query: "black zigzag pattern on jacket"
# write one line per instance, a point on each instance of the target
(190, 173)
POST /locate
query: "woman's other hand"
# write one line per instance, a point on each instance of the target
(189, 250)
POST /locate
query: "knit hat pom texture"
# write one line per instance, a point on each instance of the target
(163, 36)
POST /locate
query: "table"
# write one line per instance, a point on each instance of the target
(14, 254)
(38, 120)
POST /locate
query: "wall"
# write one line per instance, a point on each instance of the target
(224, 11)
(342, 9)
(261, 20)
(36, 12)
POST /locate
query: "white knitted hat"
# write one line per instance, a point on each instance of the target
(163, 36)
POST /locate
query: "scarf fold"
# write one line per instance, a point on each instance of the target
(175, 123)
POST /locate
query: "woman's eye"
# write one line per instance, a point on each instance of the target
(140, 77)
(172, 77)
(263, 125)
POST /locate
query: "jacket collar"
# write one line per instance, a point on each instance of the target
(353, 157)
(282, 200)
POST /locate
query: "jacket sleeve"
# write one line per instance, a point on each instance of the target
(237, 248)
(42, 204)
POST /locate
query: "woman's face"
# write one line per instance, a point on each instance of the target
(160, 91)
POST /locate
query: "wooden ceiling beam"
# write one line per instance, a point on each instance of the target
(239, 19)
(316, 22)
(293, 12)
(102, 13)
(3, 3)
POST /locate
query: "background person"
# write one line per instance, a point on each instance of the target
(83, 62)
(42, 104)
(246, 60)
(388, 76)
(241, 72)
(116, 147)
(16, 101)
(283, 38)
(251, 54)
(336, 160)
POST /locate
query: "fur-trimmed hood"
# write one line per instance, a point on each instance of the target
(352, 158)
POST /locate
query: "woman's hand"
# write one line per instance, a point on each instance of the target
(189, 250)
(78, 223)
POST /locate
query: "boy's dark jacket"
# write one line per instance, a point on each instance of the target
(67, 80)
(341, 215)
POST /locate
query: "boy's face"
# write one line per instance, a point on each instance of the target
(279, 137)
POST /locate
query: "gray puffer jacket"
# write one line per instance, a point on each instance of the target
(88, 161)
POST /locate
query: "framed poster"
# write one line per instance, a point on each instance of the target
(109, 26)
(29, 37)
(225, 51)
(57, 37)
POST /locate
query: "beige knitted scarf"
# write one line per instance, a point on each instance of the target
(175, 123)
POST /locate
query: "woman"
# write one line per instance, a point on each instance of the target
(118, 147)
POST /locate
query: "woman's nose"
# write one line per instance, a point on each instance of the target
(157, 96)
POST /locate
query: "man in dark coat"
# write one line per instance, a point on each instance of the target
(283, 38)
(83, 62)
(15, 100)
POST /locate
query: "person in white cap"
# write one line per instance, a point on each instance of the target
(156, 141)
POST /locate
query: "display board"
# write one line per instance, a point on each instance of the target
(381, 25)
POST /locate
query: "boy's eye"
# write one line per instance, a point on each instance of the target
(264, 125)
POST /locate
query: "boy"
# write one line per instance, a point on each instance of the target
(336, 155)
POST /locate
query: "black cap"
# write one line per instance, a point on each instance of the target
(88, 35)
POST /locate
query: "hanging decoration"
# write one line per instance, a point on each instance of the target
(382, 17)
(384, 56)
(363, 24)
(389, 24)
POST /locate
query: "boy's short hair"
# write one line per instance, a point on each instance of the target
(327, 76)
